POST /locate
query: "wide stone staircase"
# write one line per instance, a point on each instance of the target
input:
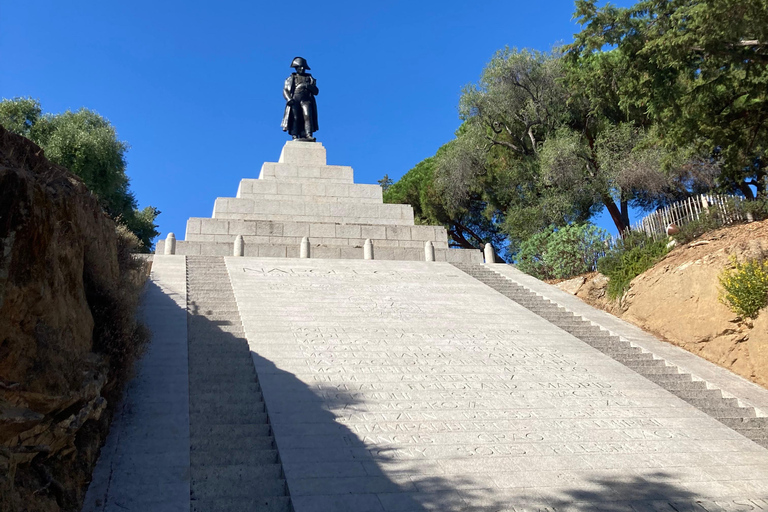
(696, 392)
(235, 466)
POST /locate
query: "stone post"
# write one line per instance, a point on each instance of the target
(429, 251)
(490, 256)
(239, 246)
(304, 248)
(368, 249)
(170, 244)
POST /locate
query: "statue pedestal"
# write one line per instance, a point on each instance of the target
(301, 196)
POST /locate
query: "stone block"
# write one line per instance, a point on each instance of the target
(269, 228)
(385, 253)
(316, 189)
(289, 189)
(285, 240)
(214, 227)
(216, 249)
(303, 153)
(325, 252)
(193, 226)
(241, 227)
(441, 235)
(265, 187)
(348, 231)
(373, 232)
(322, 230)
(272, 251)
(423, 233)
(295, 229)
(398, 233)
(351, 253)
(256, 240)
(319, 209)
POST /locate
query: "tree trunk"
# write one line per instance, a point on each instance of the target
(615, 215)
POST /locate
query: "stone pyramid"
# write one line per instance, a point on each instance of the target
(301, 196)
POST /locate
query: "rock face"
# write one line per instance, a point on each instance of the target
(60, 281)
(677, 300)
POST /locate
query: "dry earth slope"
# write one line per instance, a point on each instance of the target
(677, 300)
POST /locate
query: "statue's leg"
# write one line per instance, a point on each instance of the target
(298, 122)
(306, 109)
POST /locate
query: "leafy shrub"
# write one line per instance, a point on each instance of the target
(632, 256)
(745, 287)
(564, 252)
(757, 208)
(530, 258)
(707, 221)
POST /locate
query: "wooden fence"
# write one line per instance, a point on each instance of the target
(726, 209)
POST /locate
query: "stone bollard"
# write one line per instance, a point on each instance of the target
(490, 256)
(239, 246)
(170, 244)
(429, 251)
(304, 248)
(368, 249)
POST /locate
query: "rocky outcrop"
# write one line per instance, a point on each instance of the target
(67, 328)
(677, 300)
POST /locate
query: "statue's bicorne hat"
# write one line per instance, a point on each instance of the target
(300, 61)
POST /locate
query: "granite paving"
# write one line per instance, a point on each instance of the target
(406, 386)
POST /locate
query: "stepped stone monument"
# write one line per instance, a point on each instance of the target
(299, 363)
(301, 196)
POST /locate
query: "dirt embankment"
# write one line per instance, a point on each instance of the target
(68, 335)
(677, 300)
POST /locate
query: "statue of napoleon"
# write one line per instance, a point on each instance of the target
(300, 118)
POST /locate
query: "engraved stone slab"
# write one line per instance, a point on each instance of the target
(411, 386)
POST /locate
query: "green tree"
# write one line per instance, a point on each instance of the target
(385, 182)
(87, 145)
(467, 227)
(696, 69)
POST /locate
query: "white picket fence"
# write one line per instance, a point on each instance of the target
(681, 213)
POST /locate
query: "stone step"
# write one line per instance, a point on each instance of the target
(226, 456)
(746, 423)
(261, 504)
(216, 443)
(219, 414)
(653, 370)
(718, 402)
(198, 381)
(729, 412)
(644, 363)
(225, 387)
(215, 485)
(704, 394)
(248, 430)
(234, 397)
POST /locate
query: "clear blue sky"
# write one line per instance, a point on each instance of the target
(195, 87)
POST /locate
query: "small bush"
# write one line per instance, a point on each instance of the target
(757, 208)
(564, 252)
(745, 287)
(707, 221)
(630, 258)
(530, 258)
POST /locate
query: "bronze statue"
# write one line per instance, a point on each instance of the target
(300, 117)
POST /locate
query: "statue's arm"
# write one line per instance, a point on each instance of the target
(287, 89)
(313, 86)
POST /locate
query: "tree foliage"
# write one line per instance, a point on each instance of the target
(87, 145)
(697, 70)
(466, 224)
(561, 253)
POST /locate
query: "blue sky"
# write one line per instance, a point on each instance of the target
(195, 88)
